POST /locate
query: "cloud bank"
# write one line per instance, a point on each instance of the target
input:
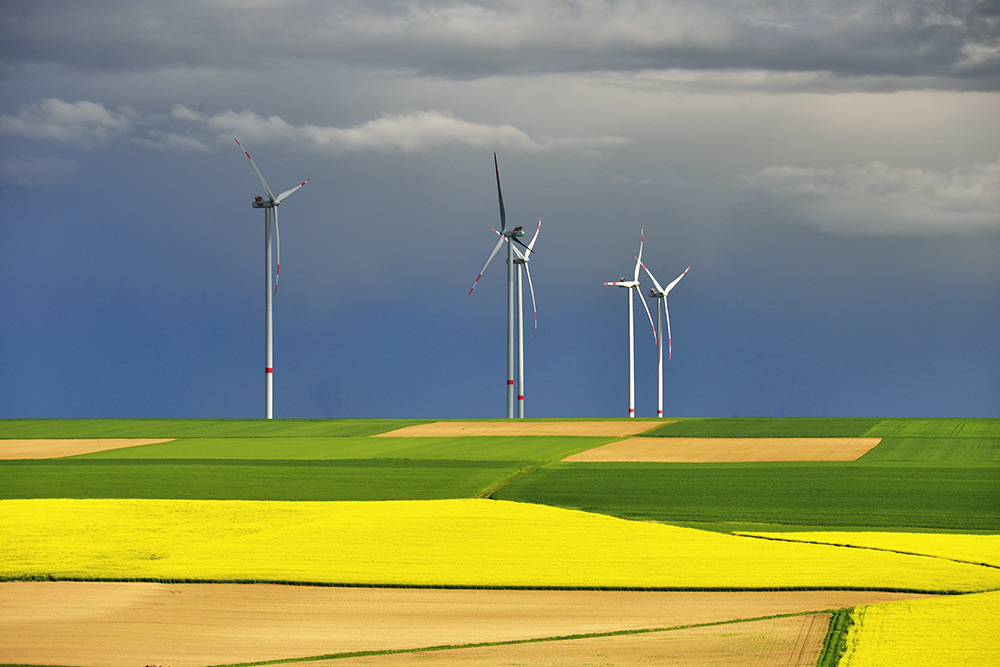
(879, 199)
(87, 125)
(954, 43)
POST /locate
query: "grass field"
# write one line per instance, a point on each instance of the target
(818, 494)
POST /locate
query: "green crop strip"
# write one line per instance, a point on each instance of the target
(816, 494)
(198, 428)
(835, 642)
(488, 448)
(200, 479)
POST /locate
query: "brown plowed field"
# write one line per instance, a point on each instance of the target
(182, 625)
(45, 448)
(794, 641)
(613, 429)
(723, 450)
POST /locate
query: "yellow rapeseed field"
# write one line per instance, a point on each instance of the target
(962, 630)
(966, 548)
(429, 543)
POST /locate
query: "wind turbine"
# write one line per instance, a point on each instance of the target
(660, 294)
(506, 235)
(270, 206)
(521, 260)
(633, 285)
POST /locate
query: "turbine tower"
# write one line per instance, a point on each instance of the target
(631, 285)
(521, 260)
(506, 235)
(660, 294)
(270, 206)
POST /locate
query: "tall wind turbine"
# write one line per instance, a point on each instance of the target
(521, 260)
(631, 285)
(270, 206)
(506, 235)
(660, 294)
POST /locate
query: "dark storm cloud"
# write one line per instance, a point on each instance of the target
(945, 43)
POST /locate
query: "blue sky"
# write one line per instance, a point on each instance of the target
(830, 171)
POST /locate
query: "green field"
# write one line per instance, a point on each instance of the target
(940, 474)
(817, 494)
(496, 448)
(197, 428)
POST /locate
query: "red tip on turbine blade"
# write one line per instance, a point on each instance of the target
(474, 284)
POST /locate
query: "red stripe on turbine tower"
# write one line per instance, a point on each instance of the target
(268, 370)
(510, 382)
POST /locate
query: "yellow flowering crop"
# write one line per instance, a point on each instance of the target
(426, 543)
(961, 630)
(966, 548)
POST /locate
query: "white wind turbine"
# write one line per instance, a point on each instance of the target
(508, 235)
(270, 206)
(522, 259)
(631, 285)
(660, 294)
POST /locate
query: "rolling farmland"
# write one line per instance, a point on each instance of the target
(916, 514)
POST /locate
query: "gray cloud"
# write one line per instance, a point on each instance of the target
(879, 199)
(87, 124)
(952, 42)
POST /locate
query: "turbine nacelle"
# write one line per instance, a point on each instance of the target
(260, 202)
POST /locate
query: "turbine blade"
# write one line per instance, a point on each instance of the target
(277, 241)
(521, 243)
(531, 244)
(284, 195)
(658, 288)
(676, 280)
(666, 312)
(638, 260)
(643, 302)
(490, 259)
(534, 310)
(254, 165)
(503, 214)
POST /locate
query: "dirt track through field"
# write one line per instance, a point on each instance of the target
(183, 625)
(723, 450)
(47, 448)
(448, 429)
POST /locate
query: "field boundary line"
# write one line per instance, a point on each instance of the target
(859, 546)
(499, 587)
(531, 640)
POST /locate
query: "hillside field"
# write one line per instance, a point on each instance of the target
(324, 502)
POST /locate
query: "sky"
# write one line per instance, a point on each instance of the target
(830, 170)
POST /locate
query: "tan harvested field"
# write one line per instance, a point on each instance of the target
(46, 448)
(448, 429)
(794, 641)
(181, 625)
(723, 450)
